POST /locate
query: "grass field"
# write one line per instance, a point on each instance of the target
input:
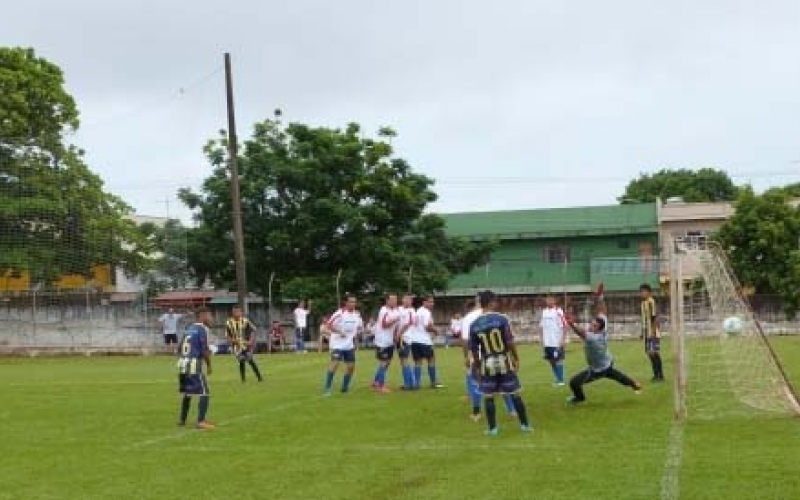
(104, 428)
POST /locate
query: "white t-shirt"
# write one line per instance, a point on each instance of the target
(384, 335)
(347, 325)
(466, 323)
(170, 322)
(300, 318)
(455, 327)
(421, 333)
(408, 317)
(553, 326)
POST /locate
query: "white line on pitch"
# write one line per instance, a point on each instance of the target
(184, 433)
(670, 479)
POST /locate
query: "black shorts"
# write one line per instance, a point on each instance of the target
(193, 384)
(554, 354)
(421, 351)
(652, 344)
(170, 338)
(403, 349)
(384, 353)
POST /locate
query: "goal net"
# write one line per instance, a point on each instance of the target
(721, 374)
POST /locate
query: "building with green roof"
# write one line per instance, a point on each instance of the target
(561, 249)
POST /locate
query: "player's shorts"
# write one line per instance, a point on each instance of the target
(193, 384)
(344, 355)
(507, 383)
(652, 344)
(403, 350)
(421, 351)
(170, 338)
(384, 353)
(554, 354)
(245, 355)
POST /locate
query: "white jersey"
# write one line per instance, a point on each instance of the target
(466, 323)
(553, 327)
(455, 327)
(408, 318)
(421, 333)
(169, 322)
(386, 326)
(300, 318)
(347, 325)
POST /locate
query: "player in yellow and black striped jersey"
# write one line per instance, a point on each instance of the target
(242, 335)
(650, 331)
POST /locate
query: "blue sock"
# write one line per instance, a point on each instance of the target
(417, 376)
(381, 377)
(560, 373)
(202, 408)
(509, 403)
(346, 381)
(301, 345)
(474, 391)
(432, 374)
(328, 380)
(404, 372)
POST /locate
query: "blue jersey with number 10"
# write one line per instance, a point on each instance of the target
(490, 342)
(193, 347)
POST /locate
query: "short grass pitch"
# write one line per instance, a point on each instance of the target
(104, 428)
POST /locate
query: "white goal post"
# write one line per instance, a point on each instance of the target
(717, 374)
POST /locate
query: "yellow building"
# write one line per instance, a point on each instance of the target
(20, 281)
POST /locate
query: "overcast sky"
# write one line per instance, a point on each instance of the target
(507, 104)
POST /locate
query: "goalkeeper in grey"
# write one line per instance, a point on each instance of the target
(599, 359)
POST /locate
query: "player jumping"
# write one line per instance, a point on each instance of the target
(193, 352)
(598, 357)
(495, 361)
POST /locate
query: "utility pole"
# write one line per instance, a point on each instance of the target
(236, 200)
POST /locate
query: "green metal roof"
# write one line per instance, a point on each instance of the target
(555, 222)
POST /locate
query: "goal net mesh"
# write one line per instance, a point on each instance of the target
(723, 374)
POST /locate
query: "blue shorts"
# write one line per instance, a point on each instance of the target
(403, 350)
(193, 384)
(384, 353)
(421, 351)
(652, 344)
(344, 355)
(507, 383)
(554, 354)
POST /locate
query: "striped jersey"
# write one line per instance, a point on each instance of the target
(648, 312)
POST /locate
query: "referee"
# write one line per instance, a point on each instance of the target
(242, 334)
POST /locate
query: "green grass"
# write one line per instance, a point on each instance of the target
(104, 428)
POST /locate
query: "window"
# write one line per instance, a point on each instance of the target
(693, 239)
(556, 254)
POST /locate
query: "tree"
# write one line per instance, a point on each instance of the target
(705, 184)
(55, 217)
(762, 240)
(318, 200)
(790, 190)
(171, 246)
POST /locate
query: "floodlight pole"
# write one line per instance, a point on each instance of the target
(236, 198)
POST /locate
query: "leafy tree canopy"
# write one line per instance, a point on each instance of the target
(317, 200)
(55, 217)
(763, 243)
(703, 185)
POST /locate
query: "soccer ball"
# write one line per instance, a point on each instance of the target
(732, 325)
